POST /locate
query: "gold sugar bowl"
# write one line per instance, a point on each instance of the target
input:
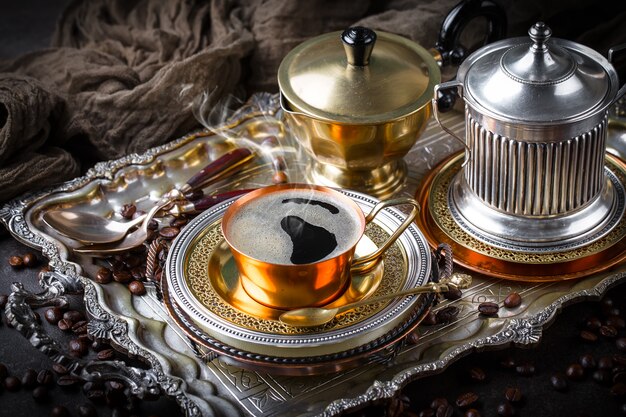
(357, 101)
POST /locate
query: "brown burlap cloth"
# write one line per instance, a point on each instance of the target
(121, 76)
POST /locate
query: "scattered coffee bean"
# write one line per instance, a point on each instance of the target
(488, 309)
(86, 410)
(12, 383)
(29, 379)
(575, 372)
(40, 394)
(558, 382)
(513, 394)
(98, 346)
(620, 343)
(3, 300)
(618, 390)
(477, 374)
(122, 276)
(413, 338)
(78, 347)
(453, 293)
(587, 361)
(16, 261)
(53, 315)
(45, 377)
(508, 363)
(30, 260)
(608, 331)
(74, 315)
(602, 376)
(128, 210)
(169, 232)
(466, 399)
(80, 327)
(137, 288)
(138, 273)
(447, 314)
(438, 402)
(65, 325)
(525, 369)
(472, 412)
(513, 300)
(616, 322)
(605, 362)
(444, 410)
(59, 411)
(132, 261)
(619, 376)
(593, 323)
(106, 354)
(505, 410)
(59, 369)
(427, 412)
(430, 319)
(68, 380)
(280, 177)
(588, 336)
(179, 222)
(103, 276)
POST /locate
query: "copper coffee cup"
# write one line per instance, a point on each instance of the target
(289, 286)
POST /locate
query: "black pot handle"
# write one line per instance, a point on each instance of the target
(457, 19)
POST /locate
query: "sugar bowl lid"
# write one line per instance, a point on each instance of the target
(538, 80)
(358, 76)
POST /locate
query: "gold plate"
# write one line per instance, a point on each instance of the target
(438, 225)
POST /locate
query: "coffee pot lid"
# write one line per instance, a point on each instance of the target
(358, 76)
(541, 80)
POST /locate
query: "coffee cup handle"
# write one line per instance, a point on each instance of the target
(368, 261)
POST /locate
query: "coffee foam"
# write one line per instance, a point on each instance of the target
(255, 229)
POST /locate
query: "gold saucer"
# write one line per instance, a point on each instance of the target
(226, 282)
(438, 224)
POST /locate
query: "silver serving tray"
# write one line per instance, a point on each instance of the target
(205, 384)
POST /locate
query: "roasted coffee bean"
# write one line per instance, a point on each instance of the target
(466, 399)
(68, 380)
(602, 376)
(153, 225)
(505, 410)
(132, 261)
(103, 276)
(114, 386)
(95, 395)
(513, 394)
(616, 321)
(128, 210)
(525, 369)
(59, 411)
(40, 394)
(488, 309)
(138, 272)
(619, 376)
(438, 402)
(279, 163)
(59, 369)
(74, 315)
(575, 372)
(605, 362)
(86, 410)
(558, 382)
(137, 288)
(618, 390)
(453, 293)
(16, 261)
(413, 338)
(508, 363)
(430, 319)
(169, 232)
(447, 314)
(30, 260)
(53, 315)
(179, 222)
(12, 383)
(280, 177)
(619, 359)
(65, 324)
(98, 346)
(620, 343)
(427, 412)
(472, 412)
(512, 300)
(593, 323)
(588, 336)
(106, 354)
(3, 300)
(29, 379)
(587, 361)
(80, 327)
(477, 374)
(120, 412)
(444, 411)
(4, 372)
(608, 331)
(45, 377)
(122, 276)
(78, 347)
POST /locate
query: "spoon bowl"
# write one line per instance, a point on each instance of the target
(88, 227)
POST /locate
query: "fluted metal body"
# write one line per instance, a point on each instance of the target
(535, 178)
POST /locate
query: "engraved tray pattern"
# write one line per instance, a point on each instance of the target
(207, 385)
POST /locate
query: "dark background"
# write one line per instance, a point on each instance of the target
(27, 25)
